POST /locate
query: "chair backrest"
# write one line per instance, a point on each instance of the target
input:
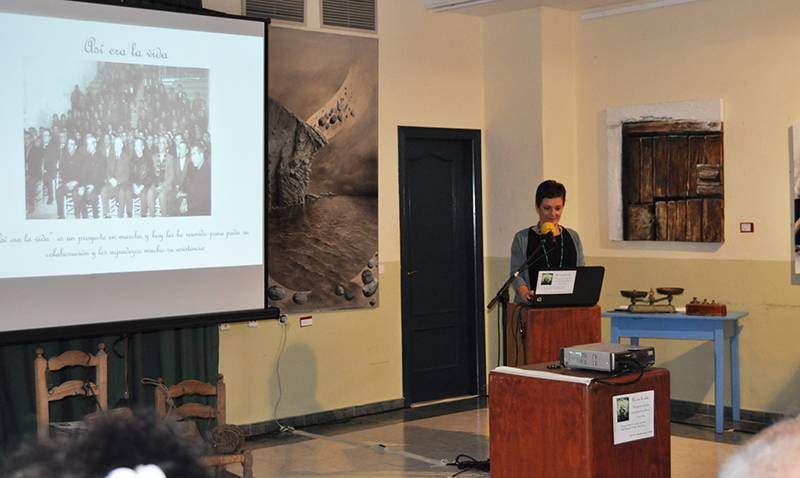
(69, 388)
(187, 388)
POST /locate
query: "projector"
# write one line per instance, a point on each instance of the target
(607, 357)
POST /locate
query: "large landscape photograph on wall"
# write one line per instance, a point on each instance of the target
(323, 171)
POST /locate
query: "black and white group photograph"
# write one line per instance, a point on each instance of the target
(130, 141)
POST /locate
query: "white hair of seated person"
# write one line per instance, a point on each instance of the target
(774, 452)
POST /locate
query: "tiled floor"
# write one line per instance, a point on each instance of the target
(417, 442)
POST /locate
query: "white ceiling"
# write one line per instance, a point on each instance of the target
(502, 6)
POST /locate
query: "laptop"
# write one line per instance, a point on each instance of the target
(574, 287)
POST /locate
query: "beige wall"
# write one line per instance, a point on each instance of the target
(513, 83)
(740, 51)
(538, 82)
(430, 74)
(730, 49)
(530, 129)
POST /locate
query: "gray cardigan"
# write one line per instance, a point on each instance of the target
(519, 248)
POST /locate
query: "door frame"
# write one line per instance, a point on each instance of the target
(405, 133)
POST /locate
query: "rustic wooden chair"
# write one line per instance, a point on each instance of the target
(164, 400)
(46, 393)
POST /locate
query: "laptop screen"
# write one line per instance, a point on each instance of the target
(579, 286)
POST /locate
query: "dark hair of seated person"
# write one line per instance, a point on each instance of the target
(109, 443)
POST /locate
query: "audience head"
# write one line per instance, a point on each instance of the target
(111, 443)
(775, 452)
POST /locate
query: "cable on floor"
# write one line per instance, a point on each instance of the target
(281, 427)
(467, 463)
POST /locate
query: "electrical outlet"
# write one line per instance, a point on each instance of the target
(223, 327)
(252, 324)
(283, 319)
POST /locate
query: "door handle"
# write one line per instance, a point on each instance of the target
(411, 273)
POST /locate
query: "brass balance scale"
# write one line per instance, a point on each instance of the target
(646, 303)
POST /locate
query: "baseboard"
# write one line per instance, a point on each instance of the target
(680, 408)
(262, 428)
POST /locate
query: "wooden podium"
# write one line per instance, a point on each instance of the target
(546, 331)
(545, 427)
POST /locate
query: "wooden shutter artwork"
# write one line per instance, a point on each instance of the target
(672, 181)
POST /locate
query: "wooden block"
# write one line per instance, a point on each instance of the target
(646, 155)
(694, 220)
(662, 221)
(717, 310)
(713, 220)
(639, 222)
(660, 167)
(631, 171)
(678, 167)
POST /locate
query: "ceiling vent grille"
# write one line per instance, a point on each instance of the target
(358, 14)
(288, 10)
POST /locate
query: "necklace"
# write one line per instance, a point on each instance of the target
(545, 252)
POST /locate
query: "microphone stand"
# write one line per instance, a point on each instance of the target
(502, 295)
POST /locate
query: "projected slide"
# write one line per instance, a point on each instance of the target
(135, 136)
(136, 148)
(132, 143)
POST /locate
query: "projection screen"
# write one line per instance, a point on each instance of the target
(133, 149)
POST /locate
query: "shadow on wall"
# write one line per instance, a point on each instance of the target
(298, 383)
(788, 399)
(697, 365)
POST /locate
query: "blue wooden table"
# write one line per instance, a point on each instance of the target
(694, 327)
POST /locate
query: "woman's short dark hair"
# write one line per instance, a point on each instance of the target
(550, 189)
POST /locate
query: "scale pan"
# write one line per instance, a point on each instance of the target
(670, 290)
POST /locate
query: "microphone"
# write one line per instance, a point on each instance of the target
(549, 232)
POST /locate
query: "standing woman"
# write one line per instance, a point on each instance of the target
(564, 250)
